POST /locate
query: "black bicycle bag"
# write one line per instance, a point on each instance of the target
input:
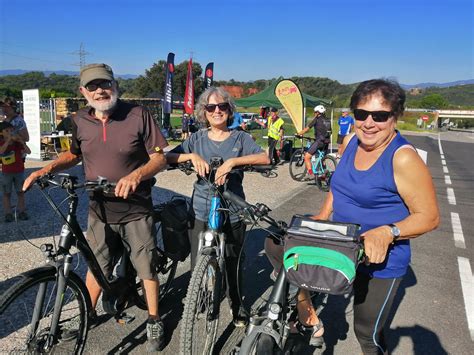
(322, 256)
(175, 225)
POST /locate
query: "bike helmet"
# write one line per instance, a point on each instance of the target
(320, 109)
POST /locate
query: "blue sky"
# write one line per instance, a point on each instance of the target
(411, 40)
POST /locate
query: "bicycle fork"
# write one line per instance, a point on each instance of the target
(63, 270)
(272, 322)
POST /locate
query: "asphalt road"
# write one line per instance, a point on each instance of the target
(435, 301)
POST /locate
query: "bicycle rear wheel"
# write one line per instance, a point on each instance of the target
(26, 311)
(201, 308)
(297, 166)
(323, 180)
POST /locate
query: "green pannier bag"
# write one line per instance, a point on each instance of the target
(322, 256)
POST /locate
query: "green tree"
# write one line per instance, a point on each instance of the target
(434, 101)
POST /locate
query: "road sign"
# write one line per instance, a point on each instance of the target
(425, 118)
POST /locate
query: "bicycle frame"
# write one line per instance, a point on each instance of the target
(317, 163)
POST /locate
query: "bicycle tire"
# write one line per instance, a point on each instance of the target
(297, 166)
(17, 305)
(202, 304)
(323, 181)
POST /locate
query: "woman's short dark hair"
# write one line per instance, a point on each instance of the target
(204, 100)
(391, 91)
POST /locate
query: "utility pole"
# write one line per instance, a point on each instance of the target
(82, 55)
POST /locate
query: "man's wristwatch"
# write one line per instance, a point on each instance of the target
(395, 232)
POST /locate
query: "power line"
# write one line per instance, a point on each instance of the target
(32, 58)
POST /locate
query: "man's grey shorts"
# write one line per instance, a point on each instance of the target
(11, 179)
(107, 240)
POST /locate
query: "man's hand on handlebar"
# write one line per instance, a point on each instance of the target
(128, 184)
(30, 180)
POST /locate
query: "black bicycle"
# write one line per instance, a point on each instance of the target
(48, 310)
(202, 306)
(269, 326)
(323, 165)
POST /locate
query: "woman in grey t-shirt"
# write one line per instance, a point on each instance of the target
(215, 108)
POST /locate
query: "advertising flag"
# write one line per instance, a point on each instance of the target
(168, 97)
(289, 95)
(189, 93)
(209, 75)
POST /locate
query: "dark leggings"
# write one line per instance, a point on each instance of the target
(235, 233)
(373, 299)
(273, 151)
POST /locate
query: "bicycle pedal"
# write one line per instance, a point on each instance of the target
(124, 318)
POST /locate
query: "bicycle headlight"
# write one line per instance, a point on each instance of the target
(208, 236)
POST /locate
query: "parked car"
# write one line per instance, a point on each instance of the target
(250, 120)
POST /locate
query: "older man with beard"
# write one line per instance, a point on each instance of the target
(121, 142)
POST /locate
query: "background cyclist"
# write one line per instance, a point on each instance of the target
(346, 124)
(321, 134)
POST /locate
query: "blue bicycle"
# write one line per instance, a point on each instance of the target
(201, 309)
(323, 165)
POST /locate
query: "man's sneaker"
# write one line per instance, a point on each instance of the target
(155, 333)
(23, 216)
(8, 218)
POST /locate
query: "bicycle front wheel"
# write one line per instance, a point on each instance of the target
(297, 166)
(26, 312)
(201, 308)
(323, 180)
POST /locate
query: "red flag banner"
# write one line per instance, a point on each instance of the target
(189, 93)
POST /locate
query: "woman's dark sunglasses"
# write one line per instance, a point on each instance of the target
(106, 84)
(223, 106)
(377, 116)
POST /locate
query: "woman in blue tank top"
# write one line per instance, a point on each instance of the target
(382, 184)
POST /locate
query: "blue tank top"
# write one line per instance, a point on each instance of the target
(371, 199)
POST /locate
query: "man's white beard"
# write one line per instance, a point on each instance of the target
(104, 107)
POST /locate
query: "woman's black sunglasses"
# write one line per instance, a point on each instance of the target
(106, 84)
(223, 106)
(377, 116)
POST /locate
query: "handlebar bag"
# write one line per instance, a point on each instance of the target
(175, 225)
(322, 256)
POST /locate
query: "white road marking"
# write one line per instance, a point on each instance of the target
(447, 179)
(439, 144)
(451, 197)
(467, 283)
(443, 161)
(457, 231)
(423, 154)
(445, 170)
(442, 156)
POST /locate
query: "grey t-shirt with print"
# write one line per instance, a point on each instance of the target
(238, 144)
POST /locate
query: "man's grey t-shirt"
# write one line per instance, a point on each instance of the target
(238, 144)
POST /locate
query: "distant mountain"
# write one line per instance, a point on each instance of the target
(59, 72)
(438, 85)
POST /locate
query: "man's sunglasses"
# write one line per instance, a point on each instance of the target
(106, 84)
(377, 116)
(223, 106)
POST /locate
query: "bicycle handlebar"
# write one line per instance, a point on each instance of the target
(70, 182)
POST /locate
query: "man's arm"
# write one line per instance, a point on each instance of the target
(130, 182)
(65, 161)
